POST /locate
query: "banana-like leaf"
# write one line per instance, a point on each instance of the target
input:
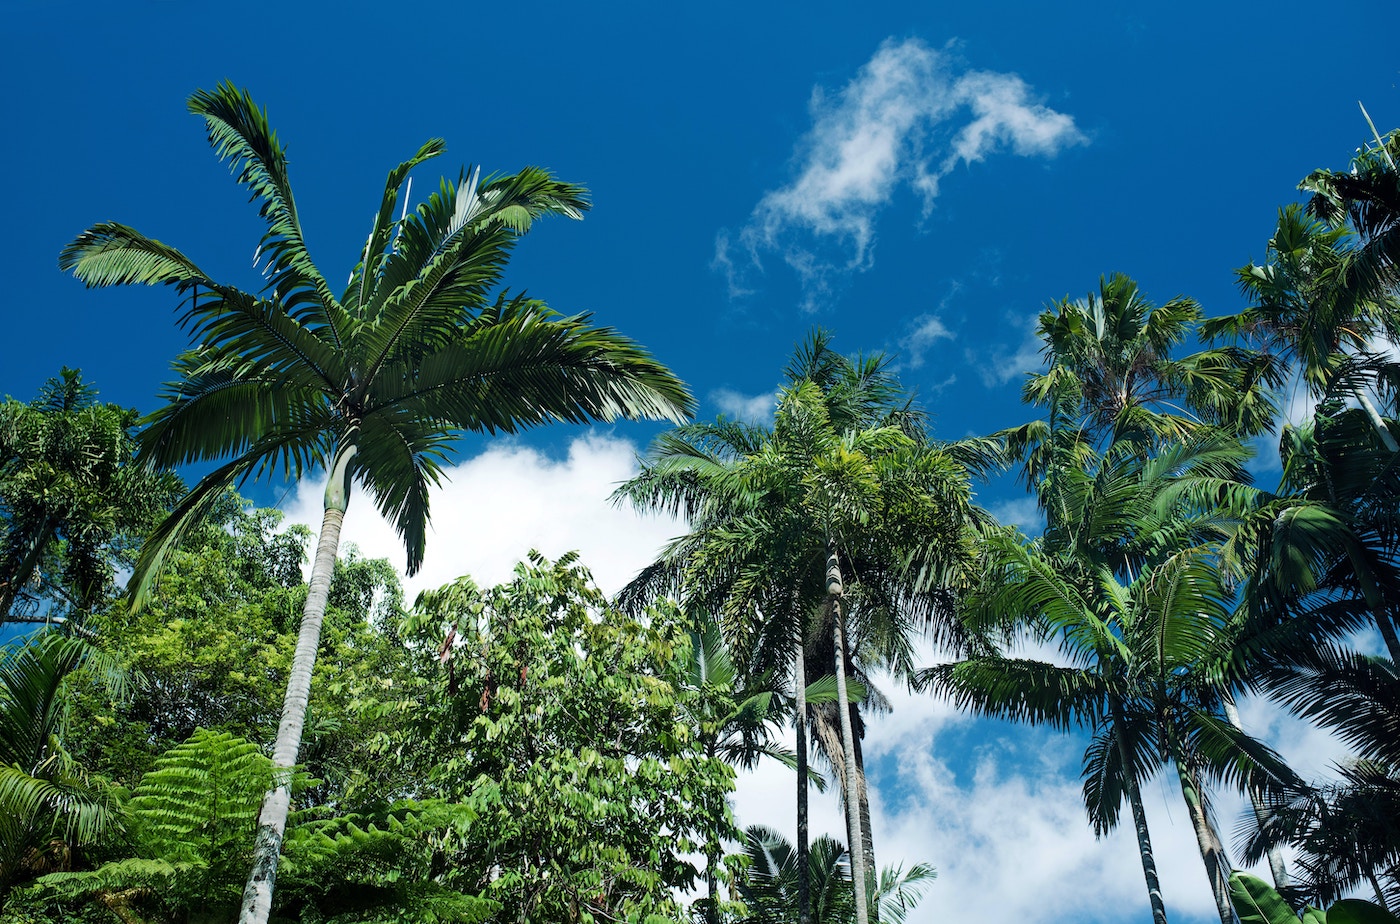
(1257, 902)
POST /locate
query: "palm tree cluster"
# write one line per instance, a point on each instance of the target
(822, 547)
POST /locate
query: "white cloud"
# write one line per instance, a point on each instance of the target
(750, 408)
(889, 127)
(490, 510)
(1022, 512)
(924, 333)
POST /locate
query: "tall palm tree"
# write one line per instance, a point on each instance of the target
(780, 519)
(373, 385)
(1366, 198)
(1304, 311)
(1128, 583)
(1112, 376)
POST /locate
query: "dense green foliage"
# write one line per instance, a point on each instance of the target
(71, 503)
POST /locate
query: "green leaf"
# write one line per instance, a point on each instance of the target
(1256, 902)
(1356, 911)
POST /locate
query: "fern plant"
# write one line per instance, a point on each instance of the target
(190, 824)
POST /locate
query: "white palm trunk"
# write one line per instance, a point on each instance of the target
(799, 692)
(272, 819)
(1277, 868)
(835, 591)
(1212, 850)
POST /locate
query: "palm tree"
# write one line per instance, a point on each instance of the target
(1326, 549)
(1112, 376)
(769, 888)
(1303, 311)
(48, 803)
(1366, 198)
(1128, 583)
(373, 385)
(780, 518)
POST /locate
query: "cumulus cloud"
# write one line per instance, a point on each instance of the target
(739, 406)
(493, 508)
(901, 121)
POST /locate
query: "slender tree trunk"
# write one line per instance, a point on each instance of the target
(1144, 839)
(712, 856)
(799, 686)
(828, 730)
(272, 820)
(1376, 420)
(863, 806)
(1212, 850)
(835, 591)
(1277, 868)
(1376, 888)
(1387, 627)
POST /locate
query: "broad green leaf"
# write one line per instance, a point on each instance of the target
(1356, 911)
(1256, 902)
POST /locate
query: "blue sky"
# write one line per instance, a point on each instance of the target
(919, 178)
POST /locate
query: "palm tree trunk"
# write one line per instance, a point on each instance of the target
(272, 820)
(1387, 627)
(1376, 420)
(1212, 850)
(1277, 868)
(862, 791)
(712, 855)
(834, 592)
(799, 692)
(1149, 864)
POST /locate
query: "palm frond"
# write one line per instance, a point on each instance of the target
(240, 134)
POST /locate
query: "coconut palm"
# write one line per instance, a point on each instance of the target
(1131, 590)
(372, 385)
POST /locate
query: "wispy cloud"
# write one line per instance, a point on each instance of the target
(999, 363)
(739, 406)
(1022, 512)
(924, 333)
(894, 125)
